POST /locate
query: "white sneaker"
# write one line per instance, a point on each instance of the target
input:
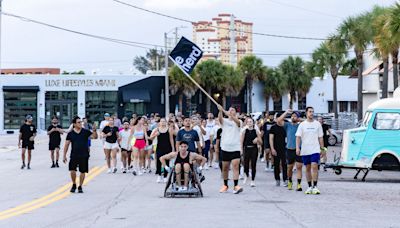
(241, 177)
(263, 160)
(315, 191)
(245, 180)
(216, 165)
(159, 179)
(165, 180)
(109, 171)
(252, 184)
(140, 173)
(184, 188)
(206, 167)
(309, 191)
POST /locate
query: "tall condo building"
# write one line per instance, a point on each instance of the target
(224, 38)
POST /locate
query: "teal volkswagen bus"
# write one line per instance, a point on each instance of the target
(375, 145)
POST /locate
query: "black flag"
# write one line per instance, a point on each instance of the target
(186, 55)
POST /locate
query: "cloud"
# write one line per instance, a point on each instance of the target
(180, 4)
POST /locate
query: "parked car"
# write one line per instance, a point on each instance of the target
(335, 137)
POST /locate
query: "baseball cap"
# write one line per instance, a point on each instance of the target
(297, 114)
(107, 114)
(28, 117)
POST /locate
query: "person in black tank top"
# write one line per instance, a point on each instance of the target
(183, 163)
(149, 148)
(165, 145)
(249, 140)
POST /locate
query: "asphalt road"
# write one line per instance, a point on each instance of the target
(40, 198)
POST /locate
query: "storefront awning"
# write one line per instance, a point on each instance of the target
(21, 88)
(135, 96)
(372, 68)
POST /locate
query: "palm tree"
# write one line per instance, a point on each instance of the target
(384, 46)
(298, 81)
(252, 68)
(357, 35)
(330, 58)
(275, 84)
(393, 26)
(180, 84)
(234, 83)
(212, 76)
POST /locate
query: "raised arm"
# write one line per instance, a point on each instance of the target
(94, 132)
(281, 118)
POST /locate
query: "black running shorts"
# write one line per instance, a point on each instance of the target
(81, 163)
(28, 145)
(292, 157)
(230, 155)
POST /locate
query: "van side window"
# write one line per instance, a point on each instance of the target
(387, 121)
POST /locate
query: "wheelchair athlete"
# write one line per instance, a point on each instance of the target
(183, 163)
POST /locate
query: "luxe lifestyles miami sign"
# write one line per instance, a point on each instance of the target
(80, 83)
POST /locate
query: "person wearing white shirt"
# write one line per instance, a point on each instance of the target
(309, 136)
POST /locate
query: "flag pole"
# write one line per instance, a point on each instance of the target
(197, 84)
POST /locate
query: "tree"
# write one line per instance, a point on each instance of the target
(275, 85)
(234, 83)
(181, 84)
(357, 35)
(384, 45)
(212, 77)
(298, 81)
(393, 26)
(154, 60)
(349, 68)
(330, 58)
(252, 69)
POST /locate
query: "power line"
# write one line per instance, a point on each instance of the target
(119, 41)
(304, 9)
(218, 27)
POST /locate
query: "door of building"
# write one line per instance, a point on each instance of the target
(64, 110)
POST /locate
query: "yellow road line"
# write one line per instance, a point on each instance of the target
(57, 195)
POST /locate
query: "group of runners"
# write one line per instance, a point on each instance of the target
(230, 142)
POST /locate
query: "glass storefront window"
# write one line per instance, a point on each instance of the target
(16, 106)
(100, 102)
(138, 108)
(63, 104)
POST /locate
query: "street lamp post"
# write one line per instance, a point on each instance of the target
(166, 97)
(1, 11)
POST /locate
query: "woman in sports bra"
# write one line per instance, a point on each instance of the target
(139, 133)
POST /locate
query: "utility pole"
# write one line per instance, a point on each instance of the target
(166, 89)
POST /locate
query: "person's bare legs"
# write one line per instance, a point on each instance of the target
(314, 173)
(81, 178)
(52, 155)
(57, 154)
(186, 169)
(29, 157)
(114, 157)
(108, 157)
(299, 168)
(308, 173)
(73, 177)
(178, 170)
(235, 169)
(23, 155)
(124, 156)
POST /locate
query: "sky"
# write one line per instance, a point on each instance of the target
(25, 44)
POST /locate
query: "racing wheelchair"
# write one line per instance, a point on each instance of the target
(194, 185)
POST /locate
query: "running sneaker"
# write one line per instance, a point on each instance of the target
(23, 166)
(290, 185)
(140, 173)
(134, 172)
(115, 170)
(315, 191)
(252, 184)
(53, 165)
(202, 178)
(109, 171)
(123, 170)
(216, 165)
(80, 190)
(278, 183)
(29, 166)
(237, 189)
(149, 170)
(262, 160)
(309, 190)
(223, 189)
(165, 180)
(57, 166)
(184, 188)
(73, 188)
(299, 189)
(241, 177)
(159, 179)
(285, 183)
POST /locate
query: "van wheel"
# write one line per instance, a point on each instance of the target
(332, 140)
(338, 171)
(386, 162)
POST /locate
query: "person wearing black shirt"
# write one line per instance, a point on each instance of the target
(327, 133)
(218, 147)
(111, 147)
(54, 131)
(277, 136)
(26, 140)
(78, 138)
(268, 123)
(250, 138)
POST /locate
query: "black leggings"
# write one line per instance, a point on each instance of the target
(279, 160)
(250, 155)
(158, 170)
